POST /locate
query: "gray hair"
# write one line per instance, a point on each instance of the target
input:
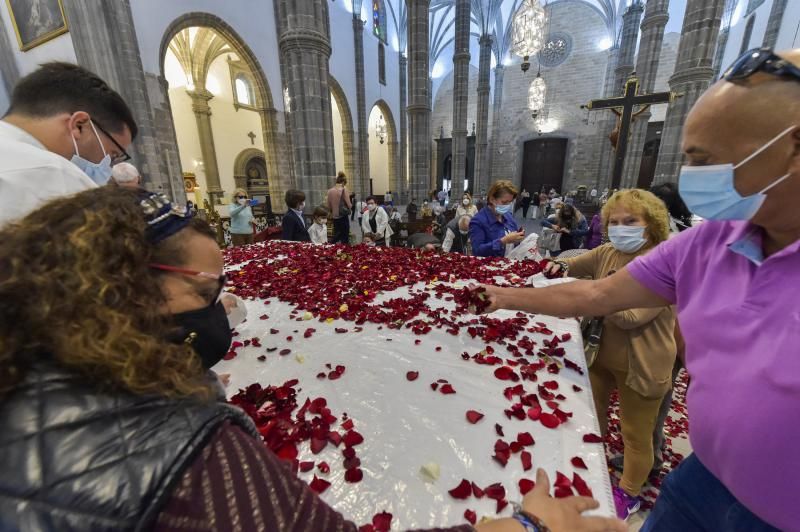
(125, 173)
(463, 217)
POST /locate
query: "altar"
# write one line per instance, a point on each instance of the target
(416, 406)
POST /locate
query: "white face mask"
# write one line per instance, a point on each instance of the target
(465, 202)
(371, 206)
(627, 238)
(242, 201)
(323, 221)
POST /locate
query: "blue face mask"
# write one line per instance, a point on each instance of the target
(100, 172)
(709, 191)
(502, 209)
(627, 238)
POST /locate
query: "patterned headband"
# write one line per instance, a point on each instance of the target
(163, 218)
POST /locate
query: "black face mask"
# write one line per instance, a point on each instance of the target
(206, 330)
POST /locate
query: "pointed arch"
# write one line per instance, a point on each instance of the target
(392, 141)
(348, 134)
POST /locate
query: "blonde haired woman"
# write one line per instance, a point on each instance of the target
(241, 218)
(466, 208)
(637, 347)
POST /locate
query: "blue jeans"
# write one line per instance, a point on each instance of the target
(693, 500)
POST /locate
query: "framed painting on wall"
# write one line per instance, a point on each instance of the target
(36, 21)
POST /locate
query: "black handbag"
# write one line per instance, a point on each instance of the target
(344, 210)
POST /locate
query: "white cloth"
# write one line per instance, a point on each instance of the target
(381, 222)
(30, 175)
(318, 233)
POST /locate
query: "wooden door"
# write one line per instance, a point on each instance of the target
(543, 164)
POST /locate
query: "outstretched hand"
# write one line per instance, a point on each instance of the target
(566, 514)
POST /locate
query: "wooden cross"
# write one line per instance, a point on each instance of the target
(252, 138)
(626, 103)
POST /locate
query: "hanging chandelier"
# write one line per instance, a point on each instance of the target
(536, 95)
(380, 129)
(528, 31)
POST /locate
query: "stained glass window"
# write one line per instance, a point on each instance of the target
(379, 20)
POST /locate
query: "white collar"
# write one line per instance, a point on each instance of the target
(19, 134)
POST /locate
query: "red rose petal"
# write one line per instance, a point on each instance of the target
(476, 491)
(495, 491)
(526, 459)
(335, 438)
(501, 504)
(353, 475)
(319, 485)
(305, 467)
(471, 516)
(549, 420)
(318, 444)
(576, 388)
(462, 491)
(534, 413)
(229, 355)
(498, 429)
(262, 358)
(412, 375)
(592, 438)
(274, 331)
(324, 467)
(284, 352)
(561, 493)
(474, 416)
(340, 330)
(526, 485)
(525, 438)
(505, 373)
(347, 425)
(349, 452)
(434, 386)
(352, 438)
(447, 389)
(580, 486)
(578, 463)
(351, 463)
(562, 480)
(382, 521)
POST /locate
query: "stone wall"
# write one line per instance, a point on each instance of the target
(442, 116)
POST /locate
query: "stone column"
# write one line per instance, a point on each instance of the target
(305, 46)
(419, 109)
(202, 113)
(461, 59)
(393, 160)
(499, 75)
(693, 72)
(774, 23)
(622, 69)
(104, 38)
(606, 124)
(361, 182)
(482, 133)
(279, 183)
(403, 189)
(655, 18)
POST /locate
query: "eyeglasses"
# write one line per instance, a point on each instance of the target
(241, 197)
(123, 157)
(221, 279)
(761, 60)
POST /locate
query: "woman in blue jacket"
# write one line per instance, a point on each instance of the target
(493, 230)
(241, 218)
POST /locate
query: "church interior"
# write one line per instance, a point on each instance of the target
(418, 103)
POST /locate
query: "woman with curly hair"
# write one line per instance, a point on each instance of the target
(109, 314)
(572, 226)
(637, 347)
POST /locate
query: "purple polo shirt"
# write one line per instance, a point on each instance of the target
(740, 315)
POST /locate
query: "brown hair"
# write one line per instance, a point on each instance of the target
(501, 187)
(341, 178)
(321, 212)
(294, 198)
(76, 289)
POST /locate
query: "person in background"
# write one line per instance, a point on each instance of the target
(493, 231)
(525, 202)
(64, 130)
(571, 224)
(412, 210)
(442, 197)
(427, 210)
(439, 222)
(466, 208)
(241, 218)
(680, 216)
(353, 211)
(339, 206)
(595, 232)
(388, 199)
(376, 221)
(456, 238)
(293, 225)
(369, 240)
(544, 201)
(360, 209)
(637, 347)
(126, 175)
(318, 232)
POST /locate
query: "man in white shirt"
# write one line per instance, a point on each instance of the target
(64, 130)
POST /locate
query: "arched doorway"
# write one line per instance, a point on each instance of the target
(213, 73)
(343, 133)
(383, 149)
(250, 173)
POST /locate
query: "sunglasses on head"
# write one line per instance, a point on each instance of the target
(761, 60)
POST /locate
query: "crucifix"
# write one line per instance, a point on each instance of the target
(623, 106)
(252, 138)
